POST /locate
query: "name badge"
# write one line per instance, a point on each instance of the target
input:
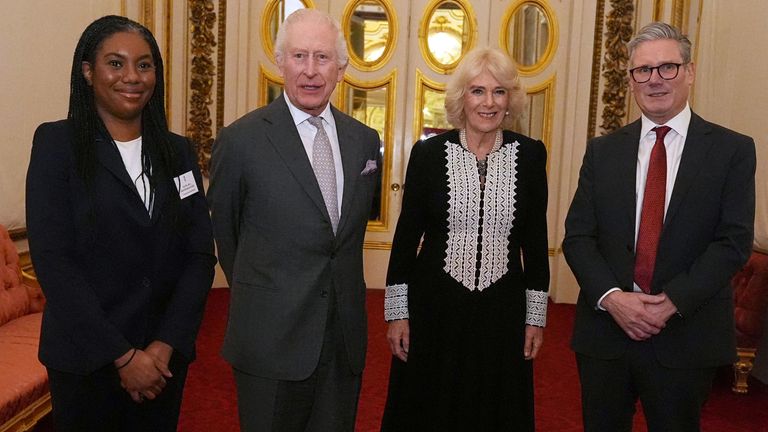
(186, 184)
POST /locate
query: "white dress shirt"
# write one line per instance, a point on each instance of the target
(307, 133)
(674, 142)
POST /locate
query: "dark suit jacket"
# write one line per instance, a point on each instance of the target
(706, 238)
(114, 278)
(277, 247)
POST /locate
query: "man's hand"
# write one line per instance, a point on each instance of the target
(534, 338)
(398, 336)
(141, 377)
(631, 312)
(663, 310)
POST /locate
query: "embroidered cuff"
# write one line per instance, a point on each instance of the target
(536, 308)
(396, 302)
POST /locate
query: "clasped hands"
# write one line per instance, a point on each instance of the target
(639, 315)
(143, 374)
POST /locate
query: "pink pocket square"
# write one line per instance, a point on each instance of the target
(370, 167)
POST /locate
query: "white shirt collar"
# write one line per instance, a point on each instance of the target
(300, 116)
(678, 123)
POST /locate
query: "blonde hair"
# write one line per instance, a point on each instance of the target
(501, 67)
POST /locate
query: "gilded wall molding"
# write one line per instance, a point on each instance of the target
(618, 32)
(202, 17)
(597, 48)
(220, 57)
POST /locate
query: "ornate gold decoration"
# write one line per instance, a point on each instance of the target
(618, 32)
(377, 245)
(202, 18)
(549, 52)
(742, 368)
(148, 14)
(17, 233)
(423, 84)
(267, 79)
(658, 10)
(267, 24)
(597, 48)
(469, 33)
(680, 11)
(391, 41)
(547, 89)
(29, 416)
(220, 54)
(390, 84)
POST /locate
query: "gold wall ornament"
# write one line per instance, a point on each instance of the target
(537, 122)
(615, 61)
(273, 16)
(202, 18)
(270, 86)
(370, 27)
(529, 34)
(594, 87)
(448, 31)
(373, 103)
(220, 63)
(429, 114)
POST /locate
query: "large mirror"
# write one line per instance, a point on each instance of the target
(529, 35)
(371, 31)
(271, 87)
(274, 14)
(447, 33)
(430, 107)
(372, 103)
(536, 121)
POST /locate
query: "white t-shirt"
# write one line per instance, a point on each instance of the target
(130, 152)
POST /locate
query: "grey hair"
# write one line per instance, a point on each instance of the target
(300, 15)
(661, 31)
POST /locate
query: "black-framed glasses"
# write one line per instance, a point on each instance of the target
(666, 71)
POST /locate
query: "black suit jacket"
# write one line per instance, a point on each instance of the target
(706, 238)
(277, 247)
(114, 277)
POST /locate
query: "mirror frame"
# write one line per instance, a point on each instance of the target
(390, 82)
(422, 82)
(547, 88)
(354, 60)
(549, 53)
(266, 37)
(265, 78)
(424, 34)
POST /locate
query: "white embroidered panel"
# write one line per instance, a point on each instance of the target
(464, 214)
(536, 308)
(396, 302)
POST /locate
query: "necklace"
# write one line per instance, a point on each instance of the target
(482, 164)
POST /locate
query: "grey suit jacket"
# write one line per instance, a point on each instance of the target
(706, 238)
(277, 247)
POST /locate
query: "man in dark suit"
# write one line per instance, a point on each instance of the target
(291, 190)
(661, 220)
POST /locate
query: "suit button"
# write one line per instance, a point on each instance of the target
(323, 293)
(145, 282)
(333, 255)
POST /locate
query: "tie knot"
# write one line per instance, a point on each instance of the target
(318, 122)
(661, 132)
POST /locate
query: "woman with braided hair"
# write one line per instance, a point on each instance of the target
(121, 240)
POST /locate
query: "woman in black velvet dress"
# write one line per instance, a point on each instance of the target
(468, 275)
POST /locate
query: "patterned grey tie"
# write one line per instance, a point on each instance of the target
(325, 170)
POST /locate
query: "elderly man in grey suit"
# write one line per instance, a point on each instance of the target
(291, 190)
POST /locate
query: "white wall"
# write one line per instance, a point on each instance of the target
(37, 40)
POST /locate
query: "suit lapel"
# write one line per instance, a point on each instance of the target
(695, 151)
(626, 196)
(350, 160)
(284, 137)
(109, 156)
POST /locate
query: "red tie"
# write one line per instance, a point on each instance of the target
(652, 215)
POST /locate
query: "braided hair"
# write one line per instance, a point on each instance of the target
(158, 156)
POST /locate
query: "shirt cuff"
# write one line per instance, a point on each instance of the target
(396, 302)
(536, 310)
(600, 301)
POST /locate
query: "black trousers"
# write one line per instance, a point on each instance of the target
(97, 402)
(324, 402)
(671, 398)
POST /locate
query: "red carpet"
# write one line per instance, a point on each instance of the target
(209, 398)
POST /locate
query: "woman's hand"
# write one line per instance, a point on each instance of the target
(398, 336)
(141, 377)
(534, 338)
